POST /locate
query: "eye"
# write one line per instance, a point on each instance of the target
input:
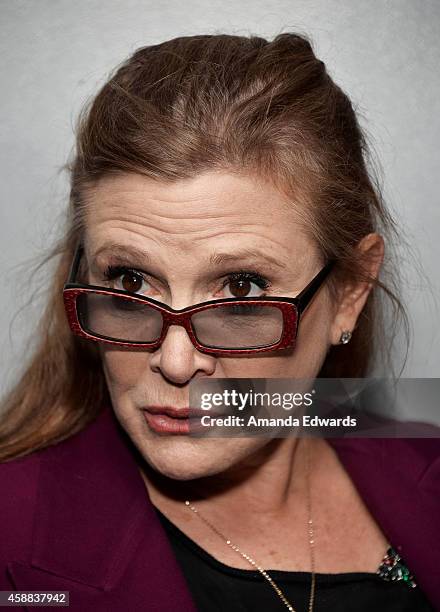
(126, 279)
(245, 284)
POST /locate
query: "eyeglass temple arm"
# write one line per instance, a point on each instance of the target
(75, 263)
(306, 295)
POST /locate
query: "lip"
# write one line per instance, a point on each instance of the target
(167, 419)
(175, 413)
(162, 423)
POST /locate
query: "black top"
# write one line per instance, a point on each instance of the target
(217, 587)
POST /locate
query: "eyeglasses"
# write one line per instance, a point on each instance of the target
(226, 326)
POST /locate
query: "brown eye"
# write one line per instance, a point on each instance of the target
(125, 279)
(245, 284)
(240, 287)
(131, 282)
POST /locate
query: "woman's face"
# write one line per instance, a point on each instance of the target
(196, 235)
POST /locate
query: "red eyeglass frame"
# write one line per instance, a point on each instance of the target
(291, 308)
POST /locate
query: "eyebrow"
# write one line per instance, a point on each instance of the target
(127, 254)
(132, 255)
(245, 254)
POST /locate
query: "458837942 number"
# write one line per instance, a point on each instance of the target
(34, 598)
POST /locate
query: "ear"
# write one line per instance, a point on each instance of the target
(354, 295)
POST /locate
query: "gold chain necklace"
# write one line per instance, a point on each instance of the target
(254, 564)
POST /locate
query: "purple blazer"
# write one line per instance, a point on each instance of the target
(77, 517)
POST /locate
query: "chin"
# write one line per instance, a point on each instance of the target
(178, 472)
(195, 458)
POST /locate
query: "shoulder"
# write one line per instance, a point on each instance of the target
(19, 486)
(19, 483)
(418, 459)
(23, 488)
(399, 481)
(406, 468)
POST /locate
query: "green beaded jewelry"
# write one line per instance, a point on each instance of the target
(394, 568)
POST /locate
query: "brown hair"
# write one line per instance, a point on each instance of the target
(176, 109)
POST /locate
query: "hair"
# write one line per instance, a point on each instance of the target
(211, 103)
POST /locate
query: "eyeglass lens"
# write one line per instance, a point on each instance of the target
(233, 326)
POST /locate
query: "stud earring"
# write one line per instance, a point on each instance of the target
(345, 337)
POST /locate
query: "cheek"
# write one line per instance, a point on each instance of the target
(124, 369)
(313, 341)
(303, 361)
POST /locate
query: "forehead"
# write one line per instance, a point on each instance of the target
(207, 211)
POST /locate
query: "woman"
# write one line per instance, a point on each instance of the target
(211, 168)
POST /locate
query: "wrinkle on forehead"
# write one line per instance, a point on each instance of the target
(201, 186)
(191, 212)
(215, 194)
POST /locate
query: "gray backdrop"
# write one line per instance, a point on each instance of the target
(55, 53)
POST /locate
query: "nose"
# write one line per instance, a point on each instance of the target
(178, 360)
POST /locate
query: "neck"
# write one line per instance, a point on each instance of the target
(266, 482)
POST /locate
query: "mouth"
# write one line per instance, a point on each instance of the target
(167, 419)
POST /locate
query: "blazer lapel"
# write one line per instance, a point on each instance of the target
(96, 533)
(399, 481)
